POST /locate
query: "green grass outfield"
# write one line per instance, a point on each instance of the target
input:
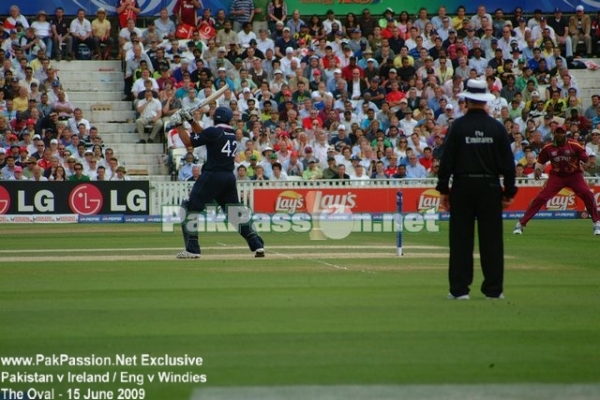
(311, 313)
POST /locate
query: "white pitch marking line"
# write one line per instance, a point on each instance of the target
(319, 261)
(283, 247)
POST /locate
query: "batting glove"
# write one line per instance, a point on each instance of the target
(185, 115)
(176, 120)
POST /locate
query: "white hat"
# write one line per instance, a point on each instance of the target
(371, 60)
(246, 90)
(54, 141)
(535, 93)
(449, 107)
(266, 149)
(222, 69)
(2, 150)
(38, 137)
(289, 50)
(337, 71)
(277, 71)
(341, 127)
(223, 49)
(476, 90)
(579, 8)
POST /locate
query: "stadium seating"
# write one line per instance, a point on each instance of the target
(97, 88)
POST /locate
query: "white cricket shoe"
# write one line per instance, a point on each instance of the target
(597, 228)
(463, 297)
(260, 253)
(518, 229)
(186, 255)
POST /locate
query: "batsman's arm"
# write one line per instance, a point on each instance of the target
(184, 136)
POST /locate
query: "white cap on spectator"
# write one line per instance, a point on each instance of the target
(449, 107)
(579, 8)
(88, 151)
(38, 137)
(337, 71)
(223, 49)
(289, 50)
(222, 69)
(54, 141)
(277, 71)
(2, 150)
(246, 90)
(341, 127)
(535, 93)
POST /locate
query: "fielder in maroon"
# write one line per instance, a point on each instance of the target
(565, 156)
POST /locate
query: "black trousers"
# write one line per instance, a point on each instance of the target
(476, 199)
(219, 186)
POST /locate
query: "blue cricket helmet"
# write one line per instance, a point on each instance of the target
(223, 115)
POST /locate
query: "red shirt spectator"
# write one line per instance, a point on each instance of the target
(185, 10)
(127, 9)
(347, 70)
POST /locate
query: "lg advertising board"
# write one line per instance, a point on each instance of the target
(87, 198)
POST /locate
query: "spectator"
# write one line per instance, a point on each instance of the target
(164, 25)
(185, 171)
(195, 174)
(81, 31)
(120, 175)
(43, 31)
(580, 26)
(278, 173)
(38, 175)
(100, 174)
(414, 169)
(62, 40)
(150, 110)
(8, 171)
(18, 174)
(185, 12)
(101, 28)
(127, 10)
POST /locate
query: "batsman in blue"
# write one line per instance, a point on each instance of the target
(217, 181)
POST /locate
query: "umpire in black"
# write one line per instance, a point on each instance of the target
(476, 153)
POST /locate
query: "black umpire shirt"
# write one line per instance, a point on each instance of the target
(477, 146)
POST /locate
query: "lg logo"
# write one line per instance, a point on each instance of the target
(4, 200)
(86, 200)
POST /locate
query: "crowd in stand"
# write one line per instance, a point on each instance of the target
(44, 136)
(323, 97)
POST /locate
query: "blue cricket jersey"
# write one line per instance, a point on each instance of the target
(221, 147)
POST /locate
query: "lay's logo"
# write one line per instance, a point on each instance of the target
(290, 202)
(564, 200)
(429, 199)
